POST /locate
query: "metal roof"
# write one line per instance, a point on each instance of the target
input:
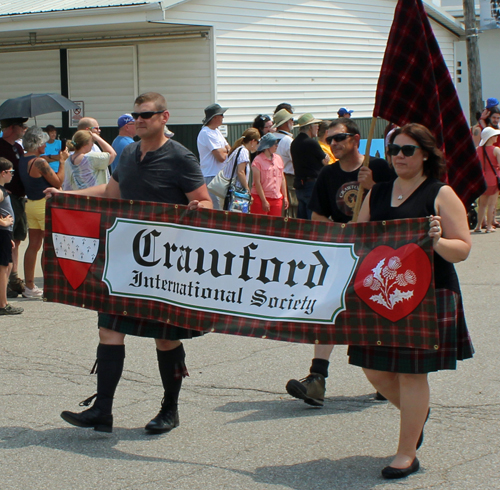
(19, 7)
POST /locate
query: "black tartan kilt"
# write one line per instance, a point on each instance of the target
(141, 327)
(455, 344)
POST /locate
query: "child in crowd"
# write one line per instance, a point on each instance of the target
(6, 243)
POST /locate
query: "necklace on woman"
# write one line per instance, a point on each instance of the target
(400, 196)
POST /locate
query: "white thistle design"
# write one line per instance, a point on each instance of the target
(385, 278)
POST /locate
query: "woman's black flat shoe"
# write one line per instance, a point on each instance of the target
(391, 473)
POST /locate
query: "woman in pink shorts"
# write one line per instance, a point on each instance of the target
(269, 185)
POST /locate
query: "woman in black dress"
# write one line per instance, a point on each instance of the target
(400, 374)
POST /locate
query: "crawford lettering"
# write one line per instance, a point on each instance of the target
(183, 258)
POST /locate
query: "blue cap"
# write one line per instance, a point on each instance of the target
(343, 111)
(491, 102)
(125, 119)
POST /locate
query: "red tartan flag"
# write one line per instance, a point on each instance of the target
(415, 86)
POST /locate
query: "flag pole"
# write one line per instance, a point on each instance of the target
(366, 162)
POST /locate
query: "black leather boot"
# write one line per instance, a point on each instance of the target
(166, 420)
(110, 360)
(172, 369)
(93, 417)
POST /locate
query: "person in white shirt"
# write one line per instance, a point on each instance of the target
(212, 146)
(283, 125)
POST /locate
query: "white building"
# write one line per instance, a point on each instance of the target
(249, 56)
(489, 49)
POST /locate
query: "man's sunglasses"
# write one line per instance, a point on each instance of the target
(338, 137)
(145, 115)
(408, 150)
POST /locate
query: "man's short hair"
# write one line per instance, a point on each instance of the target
(49, 128)
(158, 99)
(85, 123)
(350, 125)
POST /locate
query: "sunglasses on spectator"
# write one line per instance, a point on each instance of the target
(11, 171)
(145, 115)
(408, 150)
(338, 137)
(95, 127)
(264, 117)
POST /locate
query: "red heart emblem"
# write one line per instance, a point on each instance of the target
(394, 282)
(75, 237)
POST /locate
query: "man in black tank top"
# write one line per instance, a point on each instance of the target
(333, 199)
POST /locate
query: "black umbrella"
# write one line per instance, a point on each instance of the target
(35, 104)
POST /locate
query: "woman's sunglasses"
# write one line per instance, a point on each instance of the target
(145, 115)
(408, 150)
(338, 137)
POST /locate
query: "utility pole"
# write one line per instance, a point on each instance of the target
(473, 63)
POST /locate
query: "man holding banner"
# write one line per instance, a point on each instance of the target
(161, 170)
(333, 198)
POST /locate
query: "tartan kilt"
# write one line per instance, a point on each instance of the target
(455, 344)
(141, 327)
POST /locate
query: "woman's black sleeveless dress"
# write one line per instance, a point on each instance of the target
(454, 340)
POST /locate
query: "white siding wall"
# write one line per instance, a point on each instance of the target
(181, 72)
(104, 79)
(318, 55)
(446, 41)
(27, 72)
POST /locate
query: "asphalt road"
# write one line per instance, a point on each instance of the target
(239, 429)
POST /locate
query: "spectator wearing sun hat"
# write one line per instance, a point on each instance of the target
(308, 159)
(344, 112)
(269, 185)
(126, 133)
(212, 146)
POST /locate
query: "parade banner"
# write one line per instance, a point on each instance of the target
(252, 275)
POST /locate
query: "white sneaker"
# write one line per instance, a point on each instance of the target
(36, 292)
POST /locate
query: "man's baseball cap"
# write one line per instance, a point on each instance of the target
(15, 121)
(125, 119)
(343, 111)
(491, 102)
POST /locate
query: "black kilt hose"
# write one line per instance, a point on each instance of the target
(455, 344)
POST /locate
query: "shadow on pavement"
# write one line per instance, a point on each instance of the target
(292, 408)
(355, 472)
(86, 442)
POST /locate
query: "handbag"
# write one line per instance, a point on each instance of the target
(219, 185)
(492, 167)
(237, 201)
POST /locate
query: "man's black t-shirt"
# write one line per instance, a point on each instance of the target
(165, 175)
(307, 158)
(336, 191)
(13, 153)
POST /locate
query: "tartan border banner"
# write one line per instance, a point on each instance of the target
(359, 324)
